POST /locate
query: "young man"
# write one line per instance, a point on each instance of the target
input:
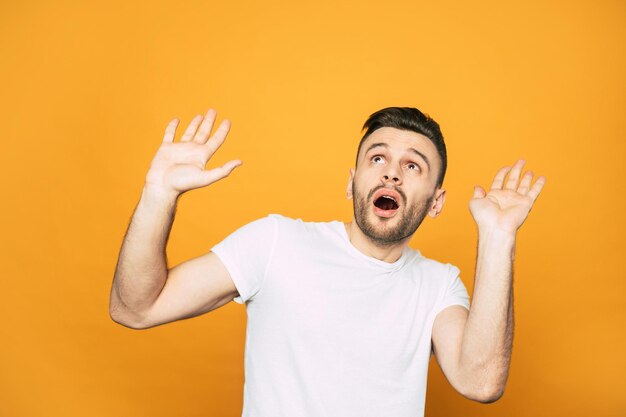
(342, 318)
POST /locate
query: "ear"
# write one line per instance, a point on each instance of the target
(437, 204)
(349, 188)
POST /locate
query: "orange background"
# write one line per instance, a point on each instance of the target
(87, 93)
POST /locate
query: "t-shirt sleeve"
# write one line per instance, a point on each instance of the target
(456, 293)
(246, 253)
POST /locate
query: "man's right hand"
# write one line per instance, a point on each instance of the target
(179, 167)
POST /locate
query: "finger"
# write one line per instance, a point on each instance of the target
(498, 180)
(511, 184)
(205, 127)
(525, 184)
(191, 129)
(218, 137)
(536, 189)
(170, 131)
(479, 192)
(216, 174)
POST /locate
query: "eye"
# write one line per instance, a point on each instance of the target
(413, 166)
(378, 159)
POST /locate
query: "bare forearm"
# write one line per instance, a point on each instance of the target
(488, 337)
(141, 270)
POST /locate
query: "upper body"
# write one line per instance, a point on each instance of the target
(330, 330)
(341, 317)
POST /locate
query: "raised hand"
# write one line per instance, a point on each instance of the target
(506, 208)
(180, 166)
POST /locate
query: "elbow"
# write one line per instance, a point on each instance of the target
(489, 395)
(127, 324)
(485, 385)
(485, 392)
(121, 314)
(125, 321)
(491, 398)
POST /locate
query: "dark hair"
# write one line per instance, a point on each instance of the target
(408, 118)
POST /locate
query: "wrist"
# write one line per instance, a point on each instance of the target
(155, 194)
(499, 237)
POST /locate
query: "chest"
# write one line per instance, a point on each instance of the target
(336, 306)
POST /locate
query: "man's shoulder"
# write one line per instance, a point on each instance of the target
(299, 231)
(299, 222)
(433, 266)
(282, 222)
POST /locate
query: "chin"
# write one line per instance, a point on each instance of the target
(386, 230)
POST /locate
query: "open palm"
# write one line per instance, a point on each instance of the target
(179, 167)
(505, 207)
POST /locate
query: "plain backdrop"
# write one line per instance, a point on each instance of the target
(88, 88)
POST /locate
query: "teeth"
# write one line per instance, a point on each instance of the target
(389, 197)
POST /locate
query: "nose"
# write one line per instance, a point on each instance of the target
(391, 176)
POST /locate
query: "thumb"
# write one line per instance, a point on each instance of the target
(216, 174)
(479, 192)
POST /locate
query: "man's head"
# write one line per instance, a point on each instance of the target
(408, 118)
(399, 171)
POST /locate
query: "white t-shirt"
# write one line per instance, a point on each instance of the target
(332, 332)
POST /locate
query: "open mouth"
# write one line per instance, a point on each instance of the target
(386, 205)
(386, 202)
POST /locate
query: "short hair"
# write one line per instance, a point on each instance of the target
(408, 118)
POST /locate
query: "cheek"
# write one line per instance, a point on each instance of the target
(359, 185)
(420, 200)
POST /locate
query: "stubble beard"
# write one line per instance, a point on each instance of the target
(411, 218)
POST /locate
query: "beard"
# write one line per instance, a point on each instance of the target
(410, 219)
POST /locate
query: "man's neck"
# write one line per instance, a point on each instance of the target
(368, 247)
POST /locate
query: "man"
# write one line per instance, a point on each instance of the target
(342, 318)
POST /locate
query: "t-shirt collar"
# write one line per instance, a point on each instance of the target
(406, 251)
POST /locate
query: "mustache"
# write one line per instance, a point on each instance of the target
(399, 191)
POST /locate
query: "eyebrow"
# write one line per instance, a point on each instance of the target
(384, 145)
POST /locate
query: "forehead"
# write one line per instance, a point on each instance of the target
(398, 140)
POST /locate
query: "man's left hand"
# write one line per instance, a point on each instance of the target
(506, 208)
